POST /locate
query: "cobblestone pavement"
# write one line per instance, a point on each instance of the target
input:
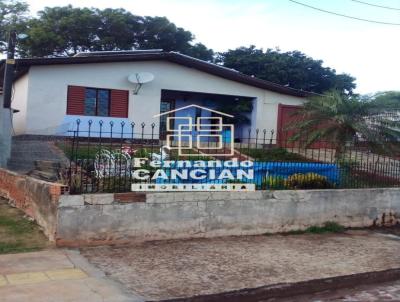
(369, 293)
(184, 268)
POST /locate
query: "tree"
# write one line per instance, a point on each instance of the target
(389, 99)
(159, 32)
(199, 51)
(338, 118)
(13, 15)
(292, 69)
(65, 31)
(61, 31)
(117, 30)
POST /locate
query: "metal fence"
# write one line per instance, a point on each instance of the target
(108, 160)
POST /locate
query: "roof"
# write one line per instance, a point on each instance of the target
(23, 65)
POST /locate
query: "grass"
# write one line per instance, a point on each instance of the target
(84, 151)
(17, 233)
(277, 154)
(351, 178)
(80, 152)
(326, 228)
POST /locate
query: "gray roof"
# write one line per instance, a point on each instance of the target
(23, 65)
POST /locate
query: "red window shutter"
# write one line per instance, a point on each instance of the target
(119, 103)
(76, 100)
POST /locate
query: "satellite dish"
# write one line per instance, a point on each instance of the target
(141, 77)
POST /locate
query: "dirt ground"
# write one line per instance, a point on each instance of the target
(17, 232)
(183, 268)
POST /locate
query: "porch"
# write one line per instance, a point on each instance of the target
(178, 107)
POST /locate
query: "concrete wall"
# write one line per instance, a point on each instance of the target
(47, 93)
(98, 219)
(206, 214)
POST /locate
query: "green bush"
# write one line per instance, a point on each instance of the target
(274, 183)
(307, 181)
(142, 152)
(297, 181)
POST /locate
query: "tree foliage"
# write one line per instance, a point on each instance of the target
(13, 15)
(292, 69)
(66, 31)
(340, 118)
(388, 99)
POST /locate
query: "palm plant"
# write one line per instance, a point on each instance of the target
(340, 119)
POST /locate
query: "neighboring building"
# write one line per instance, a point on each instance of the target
(52, 93)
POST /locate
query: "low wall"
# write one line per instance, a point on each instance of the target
(96, 219)
(38, 199)
(160, 216)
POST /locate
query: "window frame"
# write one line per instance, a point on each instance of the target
(97, 101)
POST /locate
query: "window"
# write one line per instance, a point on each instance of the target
(97, 102)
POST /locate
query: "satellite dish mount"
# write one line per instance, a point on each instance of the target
(140, 78)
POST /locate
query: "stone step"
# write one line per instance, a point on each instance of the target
(49, 166)
(21, 161)
(34, 156)
(43, 175)
(35, 153)
(20, 143)
(18, 167)
(42, 145)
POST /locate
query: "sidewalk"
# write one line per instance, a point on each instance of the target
(56, 275)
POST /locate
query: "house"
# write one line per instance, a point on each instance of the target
(51, 94)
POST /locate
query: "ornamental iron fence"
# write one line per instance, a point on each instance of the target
(112, 160)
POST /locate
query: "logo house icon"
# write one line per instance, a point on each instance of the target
(190, 135)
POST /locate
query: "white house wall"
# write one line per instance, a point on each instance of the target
(19, 101)
(47, 96)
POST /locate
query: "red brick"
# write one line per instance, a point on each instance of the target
(129, 197)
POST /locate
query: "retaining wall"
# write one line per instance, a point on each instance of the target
(188, 215)
(96, 219)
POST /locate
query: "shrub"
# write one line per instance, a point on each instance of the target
(348, 163)
(308, 181)
(142, 152)
(274, 183)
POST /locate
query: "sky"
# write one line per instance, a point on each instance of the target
(368, 51)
